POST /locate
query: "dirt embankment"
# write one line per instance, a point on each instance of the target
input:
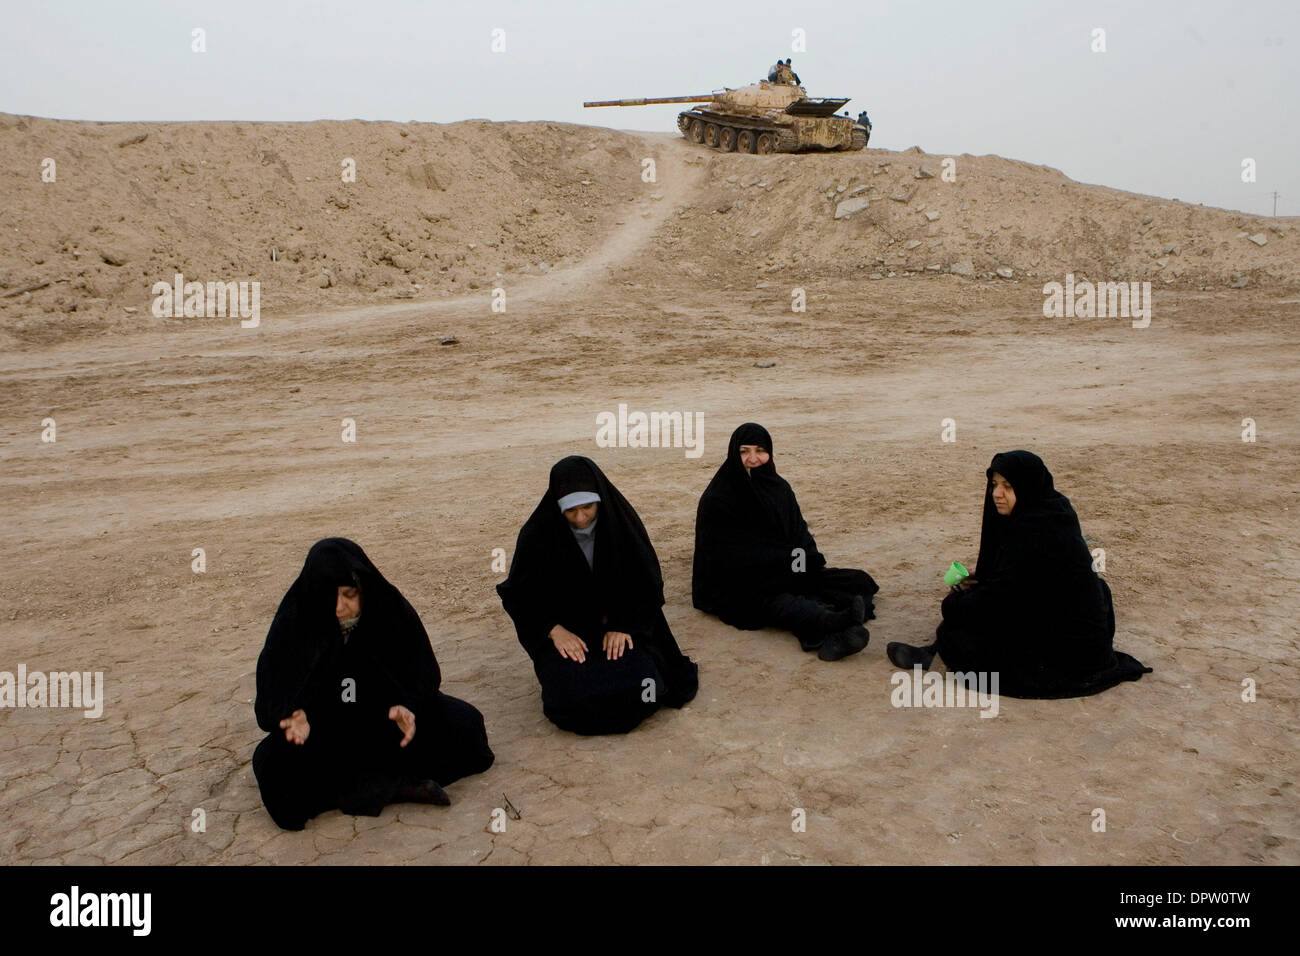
(881, 212)
(443, 210)
(433, 210)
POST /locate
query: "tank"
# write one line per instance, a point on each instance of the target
(761, 118)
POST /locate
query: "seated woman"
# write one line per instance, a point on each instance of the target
(347, 689)
(1034, 612)
(757, 565)
(586, 597)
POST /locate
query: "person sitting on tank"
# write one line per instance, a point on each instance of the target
(756, 563)
(774, 71)
(865, 122)
(1034, 612)
(794, 77)
(785, 75)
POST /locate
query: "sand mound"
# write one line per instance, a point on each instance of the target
(882, 212)
(433, 210)
(449, 209)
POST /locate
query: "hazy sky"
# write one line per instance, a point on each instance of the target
(1185, 90)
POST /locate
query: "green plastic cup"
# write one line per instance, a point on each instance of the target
(955, 574)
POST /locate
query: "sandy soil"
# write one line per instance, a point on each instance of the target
(182, 434)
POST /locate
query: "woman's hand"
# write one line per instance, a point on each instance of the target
(296, 728)
(569, 645)
(405, 722)
(615, 643)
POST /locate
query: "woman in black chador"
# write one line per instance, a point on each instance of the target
(757, 565)
(586, 596)
(347, 690)
(1035, 611)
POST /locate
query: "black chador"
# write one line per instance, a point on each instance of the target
(757, 565)
(358, 684)
(1037, 613)
(583, 574)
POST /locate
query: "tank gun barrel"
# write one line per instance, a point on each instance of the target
(648, 100)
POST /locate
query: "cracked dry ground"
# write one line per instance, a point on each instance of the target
(210, 438)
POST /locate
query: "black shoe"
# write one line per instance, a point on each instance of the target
(859, 609)
(841, 644)
(810, 643)
(831, 621)
(858, 635)
(423, 791)
(908, 656)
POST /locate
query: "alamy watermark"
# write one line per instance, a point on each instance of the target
(1102, 300)
(76, 908)
(77, 689)
(652, 430)
(195, 300)
(920, 688)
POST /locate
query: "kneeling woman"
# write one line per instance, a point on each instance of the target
(757, 565)
(586, 596)
(347, 689)
(1035, 611)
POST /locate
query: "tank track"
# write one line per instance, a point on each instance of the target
(786, 140)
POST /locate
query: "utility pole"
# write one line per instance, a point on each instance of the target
(1275, 204)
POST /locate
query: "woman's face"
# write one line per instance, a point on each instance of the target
(348, 604)
(1004, 496)
(753, 456)
(582, 515)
